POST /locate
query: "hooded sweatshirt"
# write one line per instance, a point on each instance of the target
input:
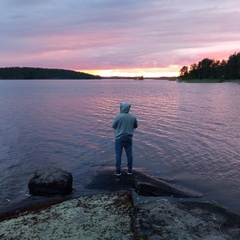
(124, 123)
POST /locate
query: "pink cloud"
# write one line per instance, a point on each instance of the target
(112, 35)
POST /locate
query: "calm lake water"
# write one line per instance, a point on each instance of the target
(189, 133)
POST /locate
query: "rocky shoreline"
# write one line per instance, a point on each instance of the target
(123, 210)
(117, 215)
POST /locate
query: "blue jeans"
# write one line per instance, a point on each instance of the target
(126, 143)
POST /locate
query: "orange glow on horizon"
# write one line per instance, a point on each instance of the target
(171, 71)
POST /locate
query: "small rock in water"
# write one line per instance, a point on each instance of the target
(50, 181)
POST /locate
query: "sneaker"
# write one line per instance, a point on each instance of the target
(129, 173)
(117, 173)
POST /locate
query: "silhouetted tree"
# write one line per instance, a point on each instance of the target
(193, 72)
(233, 67)
(184, 71)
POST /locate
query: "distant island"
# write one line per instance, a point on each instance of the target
(42, 73)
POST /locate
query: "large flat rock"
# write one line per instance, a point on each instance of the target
(105, 216)
(166, 219)
(117, 216)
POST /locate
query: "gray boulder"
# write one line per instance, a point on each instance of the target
(50, 181)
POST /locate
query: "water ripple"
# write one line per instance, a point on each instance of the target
(187, 133)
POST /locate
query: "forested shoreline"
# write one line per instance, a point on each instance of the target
(213, 69)
(42, 73)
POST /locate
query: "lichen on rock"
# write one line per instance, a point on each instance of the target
(105, 216)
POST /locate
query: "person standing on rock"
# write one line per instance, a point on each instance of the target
(124, 125)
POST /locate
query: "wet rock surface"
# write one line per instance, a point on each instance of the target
(143, 183)
(50, 181)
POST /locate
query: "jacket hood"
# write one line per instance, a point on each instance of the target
(125, 107)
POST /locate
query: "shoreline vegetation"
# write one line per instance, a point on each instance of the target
(211, 70)
(10, 73)
(208, 80)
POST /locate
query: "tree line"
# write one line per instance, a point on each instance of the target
(42, 73)
(213, 69)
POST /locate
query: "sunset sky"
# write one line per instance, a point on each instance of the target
(109, 37)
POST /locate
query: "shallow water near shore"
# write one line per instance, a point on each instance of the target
(188, 133)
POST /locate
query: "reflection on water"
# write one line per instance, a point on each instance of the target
(187, 132)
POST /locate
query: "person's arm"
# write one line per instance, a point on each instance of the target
(135, 123)
(114, 124)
